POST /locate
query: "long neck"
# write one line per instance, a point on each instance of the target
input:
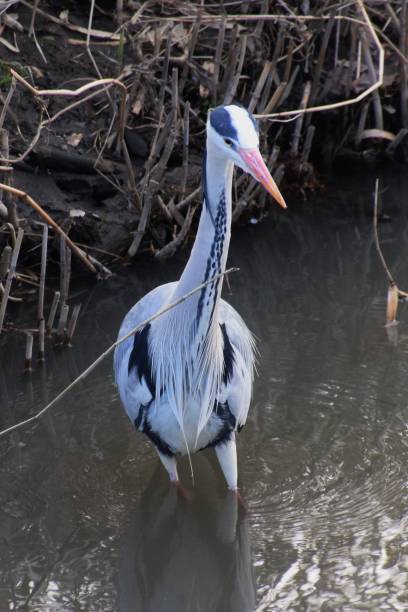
(209, 253)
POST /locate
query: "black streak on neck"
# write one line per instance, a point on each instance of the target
(209, 293)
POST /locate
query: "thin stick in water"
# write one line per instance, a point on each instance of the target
(10, 276)
(62, 322)
(53, 311)
(41, 340)
(72, 323)
(63, 271)
(29, 353)
(40, 313)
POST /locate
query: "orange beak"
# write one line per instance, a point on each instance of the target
(256, 164)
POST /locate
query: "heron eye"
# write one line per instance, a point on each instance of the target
(228, 142)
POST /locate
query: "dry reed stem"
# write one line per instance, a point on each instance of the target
(378, 83)
(403, 29)
(191, 47)
(89, 52)
(41, 340)
(7, 101)
(217, 61)
(72, 323)
(62, 322)
(259, 87)
(378, 113)
(194, 194)
(275, 17)
(275, 99)
(44, 247)
(186, 142)
(109, 350)
(361, 124)
(175, 213)
(299, 122)
(321, 57)
(5, 262)
(308, 142)
(7, 197)
(29, 353)
(232, 87)
(171, 247)
(10, 276)
(53, 311)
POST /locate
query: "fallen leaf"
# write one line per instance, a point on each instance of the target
(139, 102)
(209, 67)
(64, 15)
(74, 139)
(37, 72)
(76, 212)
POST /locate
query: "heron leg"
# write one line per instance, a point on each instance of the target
(227, 457)
(170, 464)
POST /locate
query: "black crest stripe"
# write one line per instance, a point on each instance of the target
(220, 120)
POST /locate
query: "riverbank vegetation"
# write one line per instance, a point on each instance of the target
(103, 111)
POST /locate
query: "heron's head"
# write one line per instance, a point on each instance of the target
(234, 132)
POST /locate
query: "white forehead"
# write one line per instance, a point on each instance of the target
(243, 124)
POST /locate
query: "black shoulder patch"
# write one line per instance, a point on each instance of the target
(159, 443)
(140, 359)
(229, 356)
(220, 120)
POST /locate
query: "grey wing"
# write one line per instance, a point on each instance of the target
(133, 383)
(239, 366)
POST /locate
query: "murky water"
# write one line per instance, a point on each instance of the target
(88, 520)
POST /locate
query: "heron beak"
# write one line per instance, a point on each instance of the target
(253, 159)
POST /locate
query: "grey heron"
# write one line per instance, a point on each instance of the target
(185, 380)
